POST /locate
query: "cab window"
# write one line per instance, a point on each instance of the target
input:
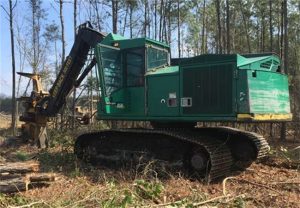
(157, 57)
(112, 71)
(135, 67)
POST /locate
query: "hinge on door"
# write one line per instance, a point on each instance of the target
(236, 105)
(146, 98)
(235, 74)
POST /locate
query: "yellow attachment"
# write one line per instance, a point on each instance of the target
(37, 81)
(264, 117)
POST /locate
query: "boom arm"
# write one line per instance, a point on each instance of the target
(86, 38)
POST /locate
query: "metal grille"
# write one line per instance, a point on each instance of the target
(266, 64)
(210, 87)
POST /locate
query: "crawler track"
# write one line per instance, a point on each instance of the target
(261, 145)
(240, 140)
(207, 152)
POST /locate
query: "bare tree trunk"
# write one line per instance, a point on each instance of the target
(125, 20)
(62, 31)
(278, 35)
(219, 34)
(206, 34)
(227, 27)
(165, 23)
(74, 91)
(22, 55)
(263, 33)
(97, 14)
(130, 20)
(161, 19)
(56, 74)
(286, 42)
(246, 27)
(285, 56)
(203, 28)
(155, 19)
(178, 28)
(169, 23)
(271, 25)
(281, 35)
(271, 49)
(63, 51)
(56, 58)
(13, 63)
(91, 100)
(34, 38)
(145, 18)
(224, 36)
(149, 21)
(115, 15)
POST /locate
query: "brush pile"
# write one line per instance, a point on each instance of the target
(21, 176)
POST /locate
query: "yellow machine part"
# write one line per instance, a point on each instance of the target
(264, 117)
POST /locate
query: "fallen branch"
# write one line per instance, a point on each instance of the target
(225, 195)
(234, 197)
(244, 180)
(145, 193)
(285, 182)
(210, 200)
(82, 200)
(204, 202)
(224, 184)
(27, 205)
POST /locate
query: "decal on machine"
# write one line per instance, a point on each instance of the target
(172, 95)
(120, 105)
(172, 100)
(186, 102)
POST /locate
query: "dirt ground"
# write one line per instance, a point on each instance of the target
(271, 182)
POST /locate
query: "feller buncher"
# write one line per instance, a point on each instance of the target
(140, 82)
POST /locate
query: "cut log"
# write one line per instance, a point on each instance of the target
(14, 185)
(38, 185)
(41, 177)
(9, 176)
(20, 176)
(19, 167)
(37, 177)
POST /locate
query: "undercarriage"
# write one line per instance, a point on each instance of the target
(208, 153)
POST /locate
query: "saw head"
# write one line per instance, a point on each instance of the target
(30, 75)
(37, 81)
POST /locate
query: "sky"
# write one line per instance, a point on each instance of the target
(5, 54)
(21, 15)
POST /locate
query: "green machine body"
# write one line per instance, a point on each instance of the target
(139, 83)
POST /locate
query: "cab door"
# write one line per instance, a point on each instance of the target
(111, 77)
(134, 66)
(122, 81)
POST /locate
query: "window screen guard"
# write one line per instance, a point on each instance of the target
(111, 68)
